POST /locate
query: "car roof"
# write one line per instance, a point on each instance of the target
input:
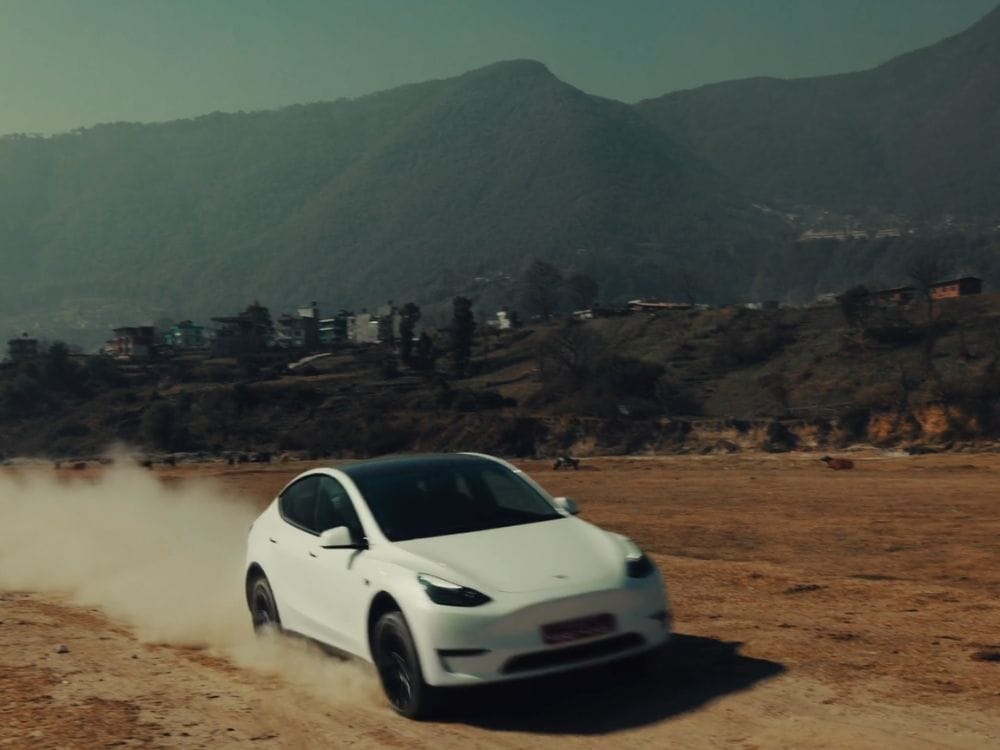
(400, 464)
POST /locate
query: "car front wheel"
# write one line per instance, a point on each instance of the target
(263, 610)
(399, 668)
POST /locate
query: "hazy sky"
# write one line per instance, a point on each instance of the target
(68, 63)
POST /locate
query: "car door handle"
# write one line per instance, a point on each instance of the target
(312, 554)
(272, 540)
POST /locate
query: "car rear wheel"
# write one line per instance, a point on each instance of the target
(263, 611)
(399, 668)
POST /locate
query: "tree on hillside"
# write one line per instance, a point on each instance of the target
(409, 316)
(853, 303)
(386, 322)
(566, 358)
(260, 316)
(540, 287)
(61, 372)
(159, 424)
(582, 290)
(688, 285)
(463, 328)
(426, 355)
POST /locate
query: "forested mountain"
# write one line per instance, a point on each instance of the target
(917, 135)
(410, 193)
(452, 186)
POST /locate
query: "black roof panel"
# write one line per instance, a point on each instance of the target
(401, 464)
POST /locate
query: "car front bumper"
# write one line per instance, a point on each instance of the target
(503, 640)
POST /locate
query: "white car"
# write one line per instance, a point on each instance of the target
(449, 570)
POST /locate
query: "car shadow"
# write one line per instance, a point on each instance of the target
(693, 671)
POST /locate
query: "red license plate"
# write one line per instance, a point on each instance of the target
(575, 630)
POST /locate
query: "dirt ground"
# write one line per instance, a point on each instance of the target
(854, 609)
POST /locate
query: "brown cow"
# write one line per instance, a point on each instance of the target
(837, 464)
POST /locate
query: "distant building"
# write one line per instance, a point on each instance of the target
(299, 331)
(606, 311)
(899, 295)
(309, 322)
(903, 295)
(185, 335)
(249, 332)
(827, 299)
(962, 287)
(363, 328)
(333, 330)
(766, 305)
(132, 342)
(388, 320)
(22, 348)
(842, 235)
(504, 320)
(650, 305)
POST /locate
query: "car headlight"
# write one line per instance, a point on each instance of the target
(637, 563)
(451, 594)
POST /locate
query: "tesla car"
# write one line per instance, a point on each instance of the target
(449, 570)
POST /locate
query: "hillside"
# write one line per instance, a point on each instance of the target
(916, 135)
(681, 381)
(409, 193)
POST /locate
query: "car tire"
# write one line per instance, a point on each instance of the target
(263, 610)
(399, 668)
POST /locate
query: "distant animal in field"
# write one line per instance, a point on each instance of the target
(837, 464)
(567, 461)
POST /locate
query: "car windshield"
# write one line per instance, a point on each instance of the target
(436, 500)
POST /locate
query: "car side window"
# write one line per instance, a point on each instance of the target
(334, 508)
(298, 503)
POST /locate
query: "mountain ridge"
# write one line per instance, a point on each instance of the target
(451, 186)
(409, 193)
(913, 135)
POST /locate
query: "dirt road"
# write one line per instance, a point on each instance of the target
(814, 609)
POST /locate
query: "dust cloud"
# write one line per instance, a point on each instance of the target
(166, 560)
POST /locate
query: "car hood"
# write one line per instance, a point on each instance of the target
(560, 553)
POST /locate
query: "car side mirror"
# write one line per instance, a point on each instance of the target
(567, 505)
(339, 537)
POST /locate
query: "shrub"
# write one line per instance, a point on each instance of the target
(741, 348)
(159, 423)
(299, 395)
(71, 429)
(626, 376)
(854, 421)
(896, 334)
(676, 399)
(470, 401)
(879, 396)
(854, 303)
(24, 396)
(103, 372)
(779, 438)
(389, 367)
